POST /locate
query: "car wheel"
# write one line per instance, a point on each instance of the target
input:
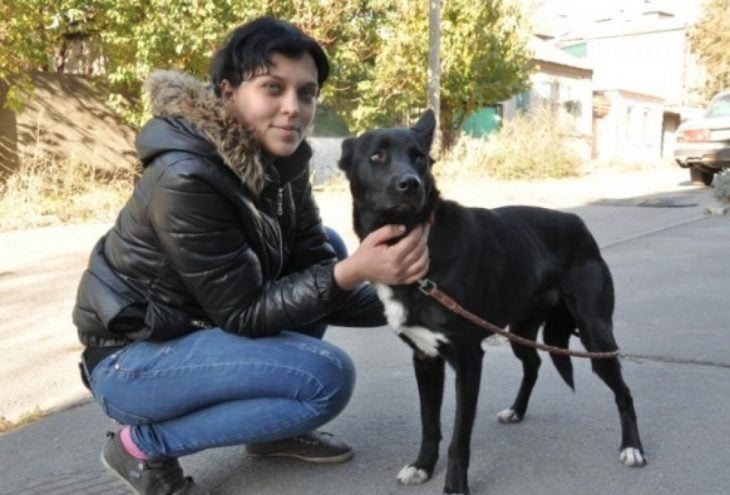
(697, 175)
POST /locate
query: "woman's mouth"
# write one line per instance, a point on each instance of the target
(286, 128)
(287, 132)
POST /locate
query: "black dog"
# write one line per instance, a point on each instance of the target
(517, 266)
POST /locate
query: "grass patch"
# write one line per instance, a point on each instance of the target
(721, 186)
(46, 191)
(335, 183)
(533, 145)
(27, 418)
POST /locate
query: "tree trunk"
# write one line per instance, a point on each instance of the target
(434, 69)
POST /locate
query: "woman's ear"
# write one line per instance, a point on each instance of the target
(226, 90)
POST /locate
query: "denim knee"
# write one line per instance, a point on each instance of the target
(337, 378)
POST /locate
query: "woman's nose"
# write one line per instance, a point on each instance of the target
(290, 103)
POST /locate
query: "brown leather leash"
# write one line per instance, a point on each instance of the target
(429, 287)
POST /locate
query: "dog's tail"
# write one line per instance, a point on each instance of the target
(559, 326)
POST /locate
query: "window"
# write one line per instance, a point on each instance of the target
(522, 100)
(719, 107)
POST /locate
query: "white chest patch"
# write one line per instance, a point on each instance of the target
(427, 341)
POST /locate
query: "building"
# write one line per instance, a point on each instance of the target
(622, 71)
(559, 80)
(564, 82)
(645, 80)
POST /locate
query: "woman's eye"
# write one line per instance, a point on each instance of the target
(273, 87)
(378, 157)
(308, 96)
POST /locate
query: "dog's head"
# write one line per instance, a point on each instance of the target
(390, 175)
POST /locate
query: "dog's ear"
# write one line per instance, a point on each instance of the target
(426, 126)
(348, 147)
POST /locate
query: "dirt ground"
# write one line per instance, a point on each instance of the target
(40, 269)
(67, 117)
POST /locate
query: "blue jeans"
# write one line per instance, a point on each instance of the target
(212, 388)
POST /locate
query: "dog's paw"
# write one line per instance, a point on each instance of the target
(411, 475)
(632, 457)
(509, 416)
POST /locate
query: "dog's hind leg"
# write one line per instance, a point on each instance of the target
(530, 367)
(592, 307)
(631, 452)
(430, 378)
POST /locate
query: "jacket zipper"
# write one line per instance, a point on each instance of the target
(280, 213)
(280, 202)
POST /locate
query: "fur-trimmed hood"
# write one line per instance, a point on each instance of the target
(190, 117)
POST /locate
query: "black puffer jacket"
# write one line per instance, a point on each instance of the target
(213, 235)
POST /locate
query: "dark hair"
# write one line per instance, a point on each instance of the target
(248, 48)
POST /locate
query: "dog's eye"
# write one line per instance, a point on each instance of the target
(378, 157)
(421, 161)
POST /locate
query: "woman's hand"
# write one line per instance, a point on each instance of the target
(402, 263)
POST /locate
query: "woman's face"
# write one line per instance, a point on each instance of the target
(278, 107)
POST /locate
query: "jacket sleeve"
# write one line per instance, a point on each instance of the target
(361, 307)
(203, 234)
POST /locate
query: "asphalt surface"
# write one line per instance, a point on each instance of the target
(672, 275)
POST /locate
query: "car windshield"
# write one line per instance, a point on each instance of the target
(719, 107)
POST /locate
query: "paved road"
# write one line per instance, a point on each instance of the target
(672, 278)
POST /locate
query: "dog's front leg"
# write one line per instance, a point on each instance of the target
(468, 369)
(430, 378)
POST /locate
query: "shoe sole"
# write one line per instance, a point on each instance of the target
(316, 460)
(116, 474)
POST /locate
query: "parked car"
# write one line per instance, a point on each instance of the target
(703, 144)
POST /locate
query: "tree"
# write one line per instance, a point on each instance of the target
(433, 96)
(378, 48)
(21, 54)
(484, 57)
(709, 39)
(139, 37)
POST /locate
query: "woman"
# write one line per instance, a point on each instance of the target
(196, 305)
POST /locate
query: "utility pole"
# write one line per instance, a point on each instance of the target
(434, 69)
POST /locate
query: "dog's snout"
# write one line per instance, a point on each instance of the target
(408, 183)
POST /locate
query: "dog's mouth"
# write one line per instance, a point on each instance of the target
(407, 215)
(409, 208)
(401, 209)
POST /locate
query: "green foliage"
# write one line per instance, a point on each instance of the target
(378, 48)
(141, 36)
(709, 39)
(20, 52)
(529, 146)
(7, 425)
(484, 55)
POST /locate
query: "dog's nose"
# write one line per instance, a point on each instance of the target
(408, 183)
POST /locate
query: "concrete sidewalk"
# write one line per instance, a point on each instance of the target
(568, 443)
(672, 279)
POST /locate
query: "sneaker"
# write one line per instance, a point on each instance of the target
(145, 477)
(319, 447)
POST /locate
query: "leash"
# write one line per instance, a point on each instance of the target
(429, 287)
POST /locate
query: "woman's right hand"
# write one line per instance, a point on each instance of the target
(375, 260)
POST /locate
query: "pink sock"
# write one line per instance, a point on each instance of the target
(125, 435)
